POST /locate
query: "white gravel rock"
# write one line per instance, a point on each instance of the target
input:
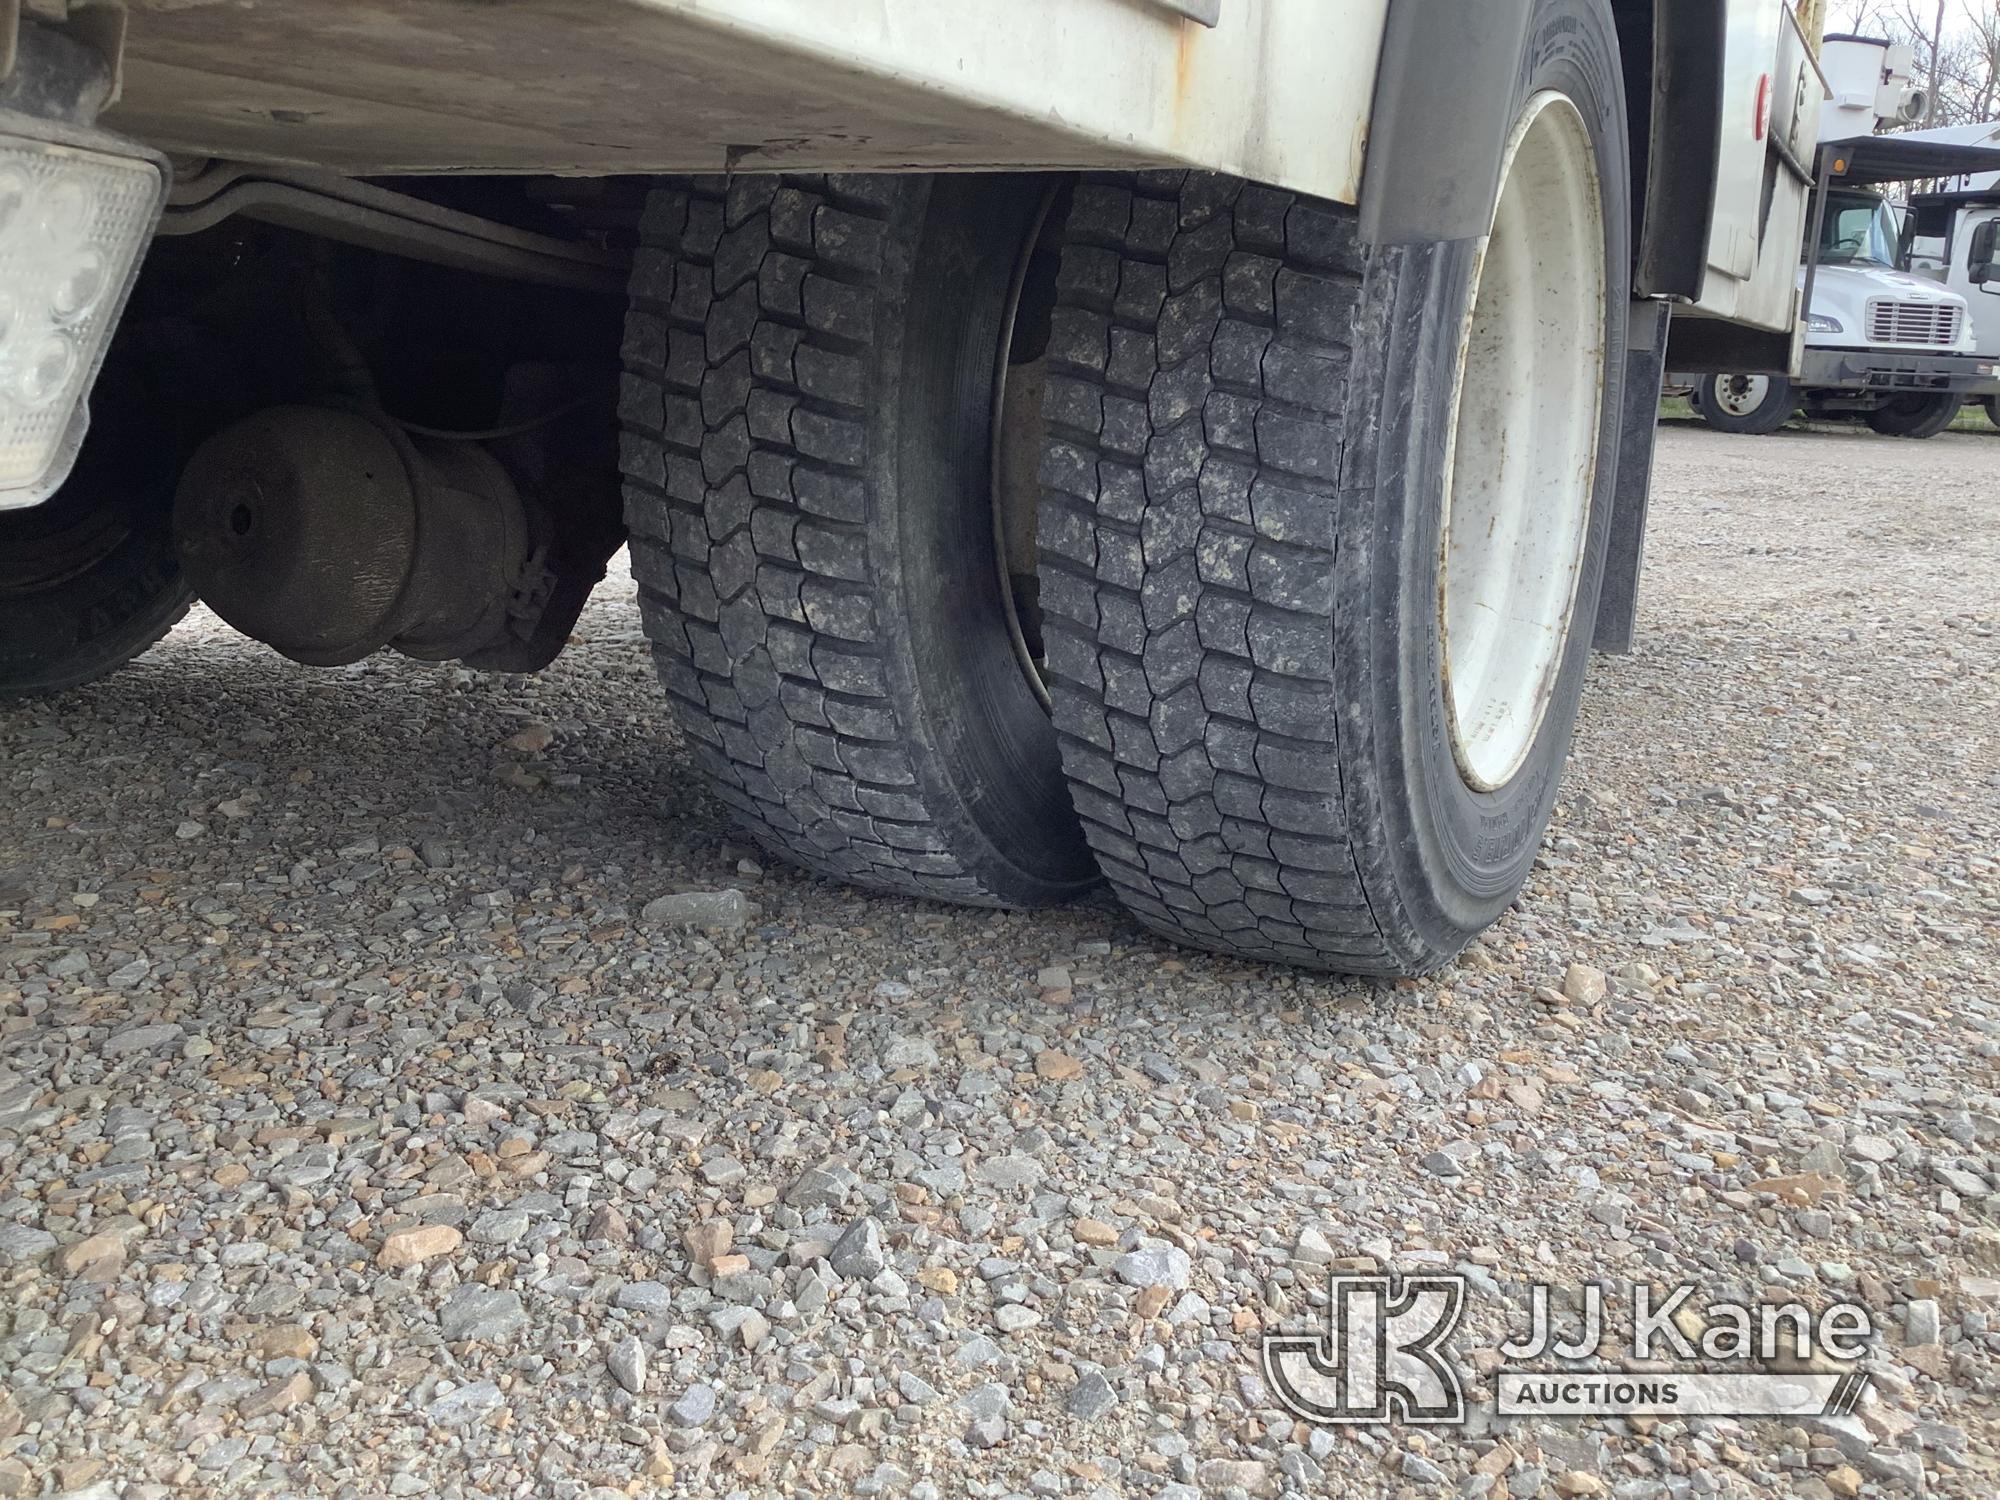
(627, 1363)
(143, 1038)
(1155, 1264)
(858, 1252)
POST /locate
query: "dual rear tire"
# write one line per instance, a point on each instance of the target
(1288, 482)
(1293, 729)
(1914, 416)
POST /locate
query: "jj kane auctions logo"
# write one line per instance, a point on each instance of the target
(1383, 1356)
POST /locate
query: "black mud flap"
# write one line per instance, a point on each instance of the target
(1645, 369)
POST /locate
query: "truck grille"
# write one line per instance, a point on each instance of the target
(1934, 323)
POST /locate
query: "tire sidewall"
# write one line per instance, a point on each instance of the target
(988, 734)
(1456, 855)
(94, 622)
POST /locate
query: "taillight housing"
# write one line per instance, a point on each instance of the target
(77, 210)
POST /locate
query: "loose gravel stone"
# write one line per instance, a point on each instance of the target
(708, 1242)
(627, 1362)
(715, 910)
(1922, 1321)
(1155, 1265)
(695, 1407)
(416, 1244)
(1091, 1397)
(466, 1403)
(483, 1314)
(24, 1245)
(143, 1038)
(858, 1252)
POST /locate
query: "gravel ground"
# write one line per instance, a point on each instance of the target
(371, 1122)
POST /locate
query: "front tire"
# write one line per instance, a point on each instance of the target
(808, 450)
(1914, 416)
(1751, 404)
(1246, 538)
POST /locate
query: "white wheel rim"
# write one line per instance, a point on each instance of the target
(1740, 395)
(1522, 453)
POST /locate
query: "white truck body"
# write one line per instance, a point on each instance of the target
(1870, 83)
(1951, 267)
(1877, 342)
(1861, 301)
(1905, 291)
(1278, 91)
(1774, 85)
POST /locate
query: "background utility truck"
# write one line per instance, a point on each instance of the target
(1185, 443)
(1896, 350)
(1949, 235)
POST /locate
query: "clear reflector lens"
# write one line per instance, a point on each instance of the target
(13, 193)
(78, 292)
(64, 205)
(44, 372)
(73, 224)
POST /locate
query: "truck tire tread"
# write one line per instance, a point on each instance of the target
(744, 411)
(1187, 542)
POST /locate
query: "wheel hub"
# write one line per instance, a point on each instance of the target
(1523, 449)
(1740, 395)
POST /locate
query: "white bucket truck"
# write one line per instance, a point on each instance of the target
(1894, 349)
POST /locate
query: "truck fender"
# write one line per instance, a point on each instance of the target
(1443, 108)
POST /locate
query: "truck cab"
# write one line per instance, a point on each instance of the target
(1878, 339)
(1883, 345)
(1863, 300)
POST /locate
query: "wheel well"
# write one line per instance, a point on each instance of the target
(1439, 119)
(255, 343)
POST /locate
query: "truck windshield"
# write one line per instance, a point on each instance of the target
(1859, 230)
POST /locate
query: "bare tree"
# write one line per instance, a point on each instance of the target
(1979, 48)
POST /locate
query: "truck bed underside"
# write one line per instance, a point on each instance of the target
(1277, 91)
